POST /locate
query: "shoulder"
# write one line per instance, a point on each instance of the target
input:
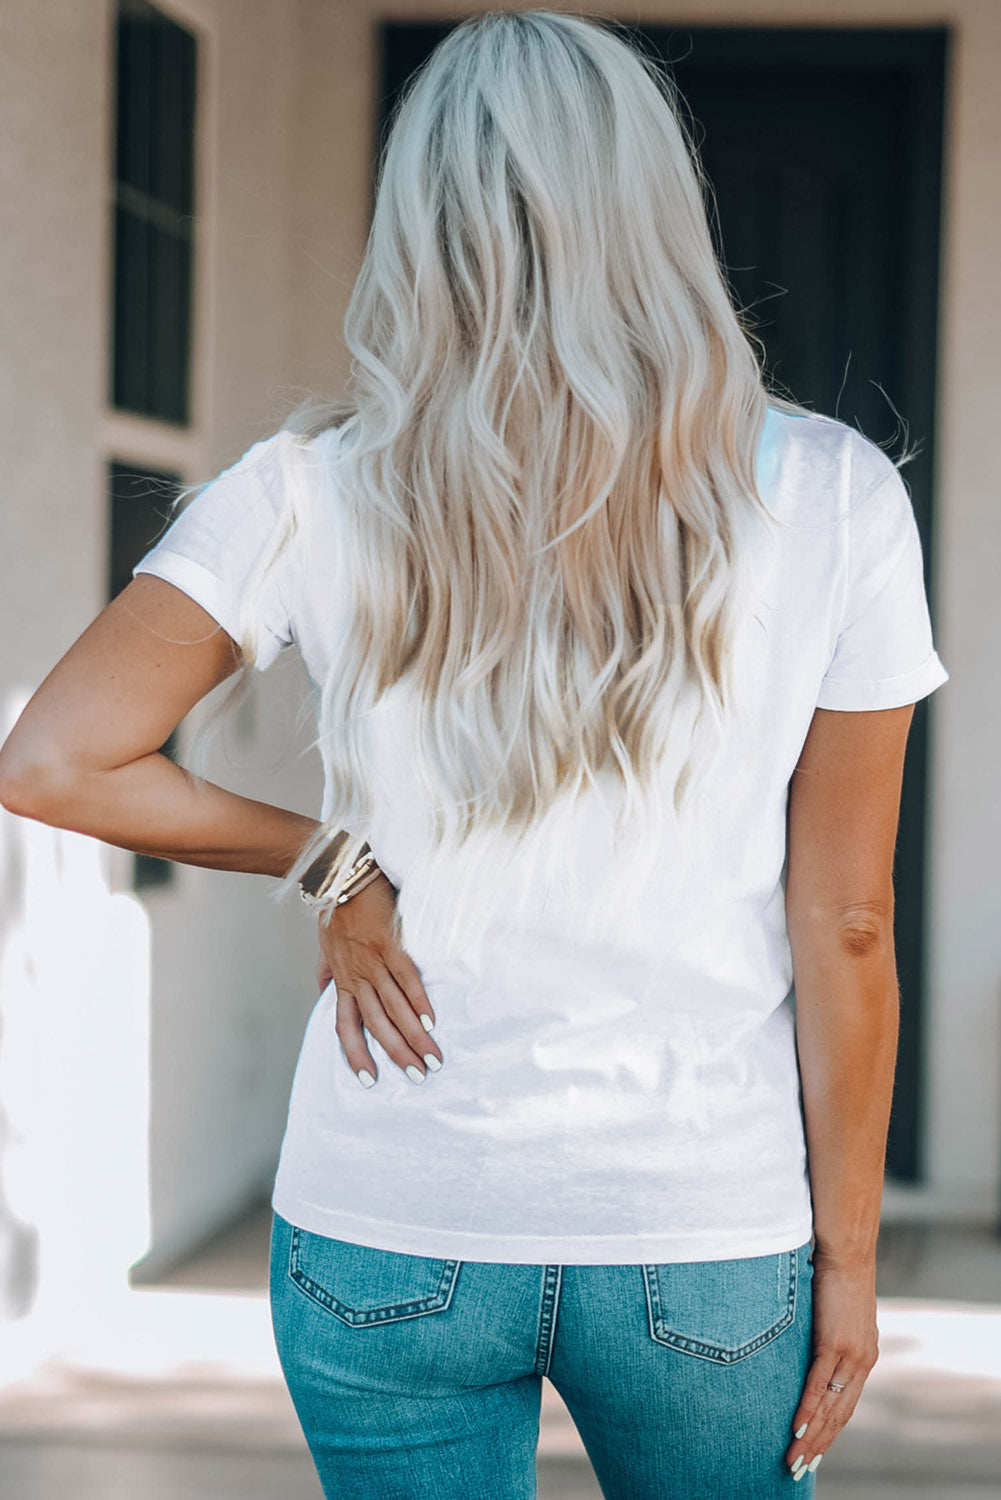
(303, 467)
(285, 482)
(270, 456)
(814, 469)
(271, 463)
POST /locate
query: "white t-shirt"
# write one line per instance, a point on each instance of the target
(620, 1088)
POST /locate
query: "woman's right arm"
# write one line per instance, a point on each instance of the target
(844, 804)
(85, 755)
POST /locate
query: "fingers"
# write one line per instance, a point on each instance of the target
(405, 972)
(824, 1412)
(821, 1370)
(385, 1012)
(352, 1038)
(361, 953)
(417, 1045)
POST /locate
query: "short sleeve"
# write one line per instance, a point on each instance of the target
(884, 656)
(211, 550)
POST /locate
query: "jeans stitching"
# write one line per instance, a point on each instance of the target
(703, 1349)
(552, 1282)
(392, 1312)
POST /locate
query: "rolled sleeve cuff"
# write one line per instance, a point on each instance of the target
(885, 692)
(194, 580)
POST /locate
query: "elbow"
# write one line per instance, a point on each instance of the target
(34, 786)
(862, 935)
(859, 930)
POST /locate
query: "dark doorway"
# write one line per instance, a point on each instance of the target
(824, 150)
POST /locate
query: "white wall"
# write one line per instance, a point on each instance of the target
(52, 271)
(232, 974)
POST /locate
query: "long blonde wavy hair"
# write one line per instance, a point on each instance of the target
(546, 455)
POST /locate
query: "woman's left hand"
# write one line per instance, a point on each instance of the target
(845, 1348)
(378, 986)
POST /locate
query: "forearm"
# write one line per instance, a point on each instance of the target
(153, 806)
(847, 1017)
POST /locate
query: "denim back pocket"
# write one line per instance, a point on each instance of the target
(364, 1286)
(722, 1310)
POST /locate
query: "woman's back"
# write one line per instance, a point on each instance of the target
(621, 1074)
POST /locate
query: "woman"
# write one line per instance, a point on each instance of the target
(615, 657)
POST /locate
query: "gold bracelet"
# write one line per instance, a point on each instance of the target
(363, 875)
(317, 884)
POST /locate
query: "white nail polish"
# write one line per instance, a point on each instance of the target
(796, 1463)
(414, 1074)
(434, 1063)
(814, 1463)
(427, 1022)
(365, 1078)
(799, 1473)
(801, 1431)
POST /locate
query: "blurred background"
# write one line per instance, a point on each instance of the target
(185, 192)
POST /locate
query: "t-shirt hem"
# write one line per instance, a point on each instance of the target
(888, 692)
(654, 1248)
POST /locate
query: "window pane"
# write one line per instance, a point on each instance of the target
(172, 99)
(154, 213)
(169, 302)
(134, 134)
(132, 355)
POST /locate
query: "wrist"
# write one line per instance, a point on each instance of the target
(380, 897)
(339, 872)
(847, 1261)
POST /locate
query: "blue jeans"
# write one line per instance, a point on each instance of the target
(417, 1378)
